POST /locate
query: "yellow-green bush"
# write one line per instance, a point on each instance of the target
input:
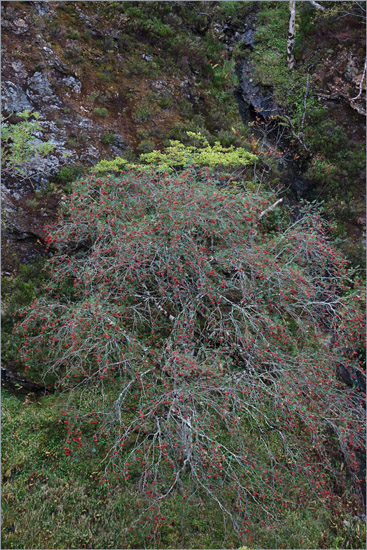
(110, 166)
(179, 155)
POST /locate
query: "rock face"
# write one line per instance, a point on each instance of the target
(72, 83)
(44, 83)
(39, 91)
(14, 99)
(255, 97)
(20, 26)
(247, 38)
(43, 8)
(343, 76)
(351, 377)
(18, 384)
(41, 81)
(88, 78)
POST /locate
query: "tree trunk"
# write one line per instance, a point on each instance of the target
(291, 28)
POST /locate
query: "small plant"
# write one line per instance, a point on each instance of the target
(93, 96)
(146, 146)
(74, 54)
(136, 66)
(106, 75)
(143, 113)
(108, 138)
(101, 112)
(109, 166)
(18, 145)
(31, 203)
(186, 108)
(100, 97)
(225, 74)
(71, 142)
(70, 173)
(73, 34)
(165, 102)
(51, 187)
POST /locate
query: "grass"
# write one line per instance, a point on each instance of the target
(45, 502)
(51, 500)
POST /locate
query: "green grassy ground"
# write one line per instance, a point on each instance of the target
(51, 500)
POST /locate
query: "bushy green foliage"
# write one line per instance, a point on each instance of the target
(143, 112)
(110, 166)
(146, 146)
(178, 155)
(18, 143)
(69, 173)
(101, 112)
(108, 138)
(321, 171)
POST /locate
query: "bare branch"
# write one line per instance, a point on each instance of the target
(316, 5)
(363, 77)
(270, 208)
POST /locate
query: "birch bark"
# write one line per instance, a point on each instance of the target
(291, 29)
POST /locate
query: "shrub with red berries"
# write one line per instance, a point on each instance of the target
(201, 330)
